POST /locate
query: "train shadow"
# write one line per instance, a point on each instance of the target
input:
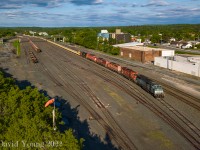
(71, 120)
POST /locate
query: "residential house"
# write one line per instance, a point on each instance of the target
(186, 45)
(43, 33)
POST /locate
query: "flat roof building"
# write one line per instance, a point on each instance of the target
(144, 54)
(188, 65)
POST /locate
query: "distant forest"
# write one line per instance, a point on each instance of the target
(87, 36)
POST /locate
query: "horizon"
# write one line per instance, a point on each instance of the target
(96, 26)
(97, 13)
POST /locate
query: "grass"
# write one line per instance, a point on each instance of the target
(16, 44)
(163, 141)
(181, 52)
(152, 46)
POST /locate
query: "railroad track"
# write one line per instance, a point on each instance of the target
(186, 128)
(25, 48)
(111, 127)
(193, 139)
(182, 96)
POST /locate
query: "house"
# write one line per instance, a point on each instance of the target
(186, 45)
(43, 33)
(32, 32)
(172, 39)
(178, 44)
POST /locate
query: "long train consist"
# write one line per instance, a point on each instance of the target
(144, 82)
(141, 80)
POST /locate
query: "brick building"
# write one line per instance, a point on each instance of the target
(144, 54)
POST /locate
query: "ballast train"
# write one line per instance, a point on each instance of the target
(141, 80)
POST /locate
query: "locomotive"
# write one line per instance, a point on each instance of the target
(150, 86)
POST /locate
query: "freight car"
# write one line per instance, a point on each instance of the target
(91, 57)
(150, 86)
(33, 57)
(129, 73)
(114, 67)
(102, 62)
(34, 46)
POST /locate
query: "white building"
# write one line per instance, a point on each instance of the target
(43, 33)
(129, 44)
(32, 32)
(104, 31)
(188, 65)
(187, 45)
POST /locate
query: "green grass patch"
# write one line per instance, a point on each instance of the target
(16, 44)
(162, 140)
(181, 52)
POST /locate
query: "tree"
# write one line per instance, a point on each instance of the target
(155, 38)
(24, 119)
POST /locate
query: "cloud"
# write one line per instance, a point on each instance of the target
(16, 4)
(156, 3)
(86, 2)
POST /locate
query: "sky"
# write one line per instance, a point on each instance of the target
(86, 13)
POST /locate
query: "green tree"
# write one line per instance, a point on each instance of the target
(23, 117)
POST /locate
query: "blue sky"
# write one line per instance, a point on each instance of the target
(65, 13)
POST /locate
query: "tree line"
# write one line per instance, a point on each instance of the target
(87, 36)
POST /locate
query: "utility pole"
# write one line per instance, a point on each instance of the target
(54, 116)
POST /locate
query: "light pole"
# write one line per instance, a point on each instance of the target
(54, 116)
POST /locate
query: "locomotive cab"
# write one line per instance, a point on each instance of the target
(158, 91)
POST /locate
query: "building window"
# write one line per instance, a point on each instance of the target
(121, 53)
(130, 55)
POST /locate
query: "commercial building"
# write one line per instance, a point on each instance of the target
(143, 54)
(118, 36)
(188, 65)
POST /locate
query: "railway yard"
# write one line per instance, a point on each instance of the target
(121, 113)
